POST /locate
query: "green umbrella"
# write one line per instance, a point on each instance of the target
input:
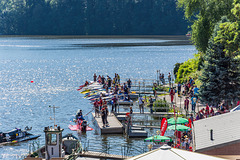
(158, 138)
(179, 120)
(179, 128)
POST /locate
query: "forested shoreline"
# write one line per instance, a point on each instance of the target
(91, 17)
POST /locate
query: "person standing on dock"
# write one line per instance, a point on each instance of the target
(154, 89)
(106, 115)
(94, 77)
(104, 103)
(129, 82)
(118, 78)
(151, 104)
(103, 114)
(99, 79)
(172, 93)
(125, 88)
(96, 107)
(141, 104)
(103, 79)
(114, 104)
(100, 103)
(109, 80)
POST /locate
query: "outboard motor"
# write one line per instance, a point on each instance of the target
(84, 126)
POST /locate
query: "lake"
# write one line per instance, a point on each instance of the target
(58, 65)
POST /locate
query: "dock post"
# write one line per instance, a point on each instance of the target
(144, 88)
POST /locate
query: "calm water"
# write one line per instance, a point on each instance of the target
(58, 67)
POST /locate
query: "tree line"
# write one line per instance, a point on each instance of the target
(91, 17)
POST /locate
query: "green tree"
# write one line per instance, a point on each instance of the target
(188, 69)
(204, 14)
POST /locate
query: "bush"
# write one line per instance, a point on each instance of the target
(188, 69)
(161, 106)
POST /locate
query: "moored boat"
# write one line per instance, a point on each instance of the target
(57, 146)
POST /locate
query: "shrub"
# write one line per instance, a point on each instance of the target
(161, 106)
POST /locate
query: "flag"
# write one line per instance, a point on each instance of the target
(163, 127)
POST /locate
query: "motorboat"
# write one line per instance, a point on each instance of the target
(17, 135)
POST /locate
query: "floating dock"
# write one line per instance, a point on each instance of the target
(135, 132)
(115, 127)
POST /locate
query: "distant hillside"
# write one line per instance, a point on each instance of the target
(91, 17)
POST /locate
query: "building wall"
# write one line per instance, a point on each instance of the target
(230, 149)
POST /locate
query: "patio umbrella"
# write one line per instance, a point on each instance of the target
(180, 120)
(158, 138)
(179, 128)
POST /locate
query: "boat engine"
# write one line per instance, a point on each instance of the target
(84, 126)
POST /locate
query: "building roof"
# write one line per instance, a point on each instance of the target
(166, 152)
(225, 129)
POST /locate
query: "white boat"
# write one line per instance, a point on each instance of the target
(57, 146)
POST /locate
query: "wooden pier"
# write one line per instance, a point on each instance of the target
(147, 113)
(115, 127)
(102, 155)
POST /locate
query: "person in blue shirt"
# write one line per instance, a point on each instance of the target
(195, 91)
(194, 102)
(80, 115)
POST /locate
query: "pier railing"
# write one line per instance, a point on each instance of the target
(113, 148)
(147, 83)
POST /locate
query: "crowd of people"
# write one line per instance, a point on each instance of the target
(111, 85)
(190, 91)
(183, 141)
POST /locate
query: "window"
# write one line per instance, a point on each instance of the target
(52, 139)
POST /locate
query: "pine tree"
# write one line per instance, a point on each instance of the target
(220, 76)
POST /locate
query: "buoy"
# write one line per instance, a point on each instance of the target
(31, 81)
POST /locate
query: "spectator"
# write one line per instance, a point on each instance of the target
(172, 93)
(141, 104)
(151, 105)
(186, 104)
(194, 102)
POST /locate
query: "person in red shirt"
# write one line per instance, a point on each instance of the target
(100, 103)
(207, 110)
(186, 103)
(212, 111)
(104, 103)
(172, 93)
(99, 79)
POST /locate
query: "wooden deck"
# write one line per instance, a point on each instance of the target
(115, 127)
(101, 155)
